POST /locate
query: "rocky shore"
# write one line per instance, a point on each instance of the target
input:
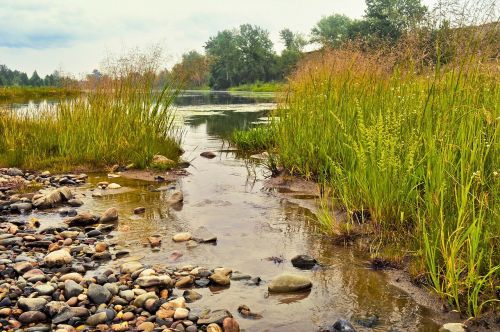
(51, 278)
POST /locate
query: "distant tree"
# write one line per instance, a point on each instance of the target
(333, 30)
(35, 80)
(389, 19)
(241, 56)
(192, 71)
(294, 45)
(224, 55)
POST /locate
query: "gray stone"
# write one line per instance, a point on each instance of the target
(98, 294)
(216, 316)
(97, 319)
(304, 262)
(141, 299)
(71, 289)
(289, 283)
(203, 235)
(109, 215)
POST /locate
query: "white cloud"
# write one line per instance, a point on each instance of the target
(76, 35)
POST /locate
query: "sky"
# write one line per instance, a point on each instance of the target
(75, 36)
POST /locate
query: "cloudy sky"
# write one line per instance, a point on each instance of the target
(74, 36)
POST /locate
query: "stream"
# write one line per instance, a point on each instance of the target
(225, 194)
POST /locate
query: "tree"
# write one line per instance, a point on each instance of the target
(240, 56)
(294, 44)
(389, 19)
(333, 30)
(35, 80)
(192, 71)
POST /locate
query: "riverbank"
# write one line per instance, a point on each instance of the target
(260, 87)
(409, 152)
(13, 94)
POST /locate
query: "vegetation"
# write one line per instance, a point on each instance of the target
(123, 119)
(10, 77)
(259, 87)
(409, 142)
(24, 93)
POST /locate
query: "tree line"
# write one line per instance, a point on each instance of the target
(246, 55)
(9, 77)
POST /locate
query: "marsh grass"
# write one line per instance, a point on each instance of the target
(412, 141)
(122, 119)
(15, 93)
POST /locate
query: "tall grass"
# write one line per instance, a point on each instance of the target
(413, 143)
(122, 119)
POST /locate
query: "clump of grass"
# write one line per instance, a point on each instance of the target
(412, 142)
(14, 93)
(123, 119)
(256, 139)
(260, 87)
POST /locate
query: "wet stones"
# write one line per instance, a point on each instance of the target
(208, 154)
(53, 198)
(139, 210)
(343, 325)
(29, 317)
(175, 197)
(131, 267)
(82, 219)
(72, 289)
(304, 262)
(58, 258)
(181, 237)
(214, 317)
(154, 241)
(98, 294)
(203, 235)
(286, 283)
(109, 215)
(31, 304)
(453, 327)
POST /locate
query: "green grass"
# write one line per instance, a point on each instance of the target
(14, 93)
(255, 139)
(259, 87)
(416, 146)
(122, 120)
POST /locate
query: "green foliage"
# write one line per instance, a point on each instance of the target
(259, 87)
(10, 77)
(123, 119)
(255, 139)
(13, 93)
(389, 19)
(416, 148)
(334, 30)
(192, 72)
(240, 56)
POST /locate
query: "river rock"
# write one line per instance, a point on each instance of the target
(59, 311)
(141, 299)
(203, 235)
(31, 304)
(30, 317)
(214, 317)
(76, 277)
(113, 186)
(72, 289)
(96, 319)
(214, 328)
(44, 289)
(150, 281)
(231, 325)
(220, 279)
(180, 237)
(139, 210)
(154, 241)
(75, 202)
(175, 197)
(208, 154)
(130, 267)
(53, 198)
(304, 262)
(453, 327)
(21, 207)
(58, 258)
(109, 215)
(191, 295)
(343, 326)
(98, 294)
(289, 283)
(13, 171)
(181, 313)
(82, 219)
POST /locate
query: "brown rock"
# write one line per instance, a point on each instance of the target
(101, 247)
(231, 325)
(154, 241)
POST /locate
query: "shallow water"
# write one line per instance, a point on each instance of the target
(225, 195)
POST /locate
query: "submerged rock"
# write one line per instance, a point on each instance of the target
(181, 237)
(82, 219)
(289, 283)
(453, 327)
(343, 326)
(109, 215)
(208, 154)
(203, 235)
(304, 262)
(176, 197)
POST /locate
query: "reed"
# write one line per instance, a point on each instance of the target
(414, 143)
(122, 119)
